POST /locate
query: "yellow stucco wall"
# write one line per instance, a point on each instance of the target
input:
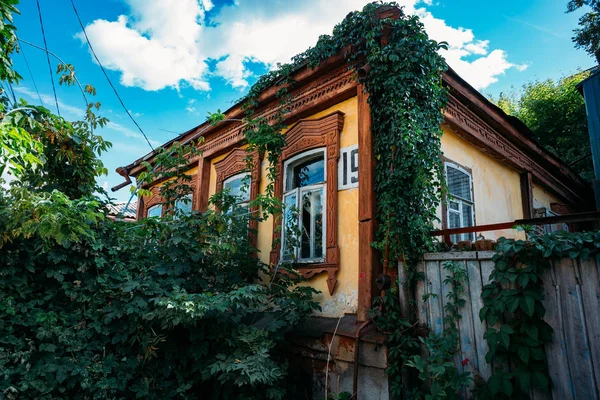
(497, 196)
(496, 187)
(345, 296)
(542, 197)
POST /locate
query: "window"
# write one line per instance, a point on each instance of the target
(303, 233)
(239, 187)
(460, 205)
(184, 204)
(155, 211)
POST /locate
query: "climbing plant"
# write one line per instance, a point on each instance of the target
(514, 311)
(437, 369)
(406, 96)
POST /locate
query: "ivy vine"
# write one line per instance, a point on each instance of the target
(514, 310)
(406, 97)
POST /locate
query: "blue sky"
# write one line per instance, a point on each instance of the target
(173, 61)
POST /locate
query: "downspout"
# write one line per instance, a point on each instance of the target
(356, 351)
(384, 282)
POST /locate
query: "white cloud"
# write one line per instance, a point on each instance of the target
(166, 44)
(190, 106)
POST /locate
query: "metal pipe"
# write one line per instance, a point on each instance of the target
(363, 71)
(356, 348)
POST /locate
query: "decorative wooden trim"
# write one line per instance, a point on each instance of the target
(327, 88)
(369, 266)
(465, 123)
(233, 164)
(527, 194)
(202, 185)
(145, 202)
(306, 135)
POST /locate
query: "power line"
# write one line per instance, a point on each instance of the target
(60, 61)
(31, 75)
(48, 57)
(106, 76)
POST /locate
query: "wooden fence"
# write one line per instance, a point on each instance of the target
(572, 301)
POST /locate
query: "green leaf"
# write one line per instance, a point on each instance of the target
(527, 305)
(523, 352)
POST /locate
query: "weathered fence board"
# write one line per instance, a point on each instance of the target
(572, 302)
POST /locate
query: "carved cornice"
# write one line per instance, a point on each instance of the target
(329, 87)
(470, 127)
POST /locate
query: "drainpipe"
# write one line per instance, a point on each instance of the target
(356, 348)
(384, 282)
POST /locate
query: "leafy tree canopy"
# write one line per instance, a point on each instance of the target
(555, 113)
(587, 36)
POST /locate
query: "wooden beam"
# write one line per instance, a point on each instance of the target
(366, 159)
(368, 263)
(527, 194)
(202, 185)
(368, 268)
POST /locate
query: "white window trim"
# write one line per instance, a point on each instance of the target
(298, 191)
(152, 208)
(460, 200)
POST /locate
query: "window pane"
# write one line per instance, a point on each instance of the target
(453, 220)
(289, 226)
(185, 204)
(238, 186)
(312, 224)
(307, 173)
(453, 205)
(155, 211)
(459, 183)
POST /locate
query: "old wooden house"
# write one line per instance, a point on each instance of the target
(495, 171)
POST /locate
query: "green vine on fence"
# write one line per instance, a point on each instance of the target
(514, 311)
(437, 369)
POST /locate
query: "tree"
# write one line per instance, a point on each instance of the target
(92, 308)
(555, 113)
(587, 37)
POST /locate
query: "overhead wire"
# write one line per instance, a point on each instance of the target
(48, 56)
(107, 77)
(22, 50)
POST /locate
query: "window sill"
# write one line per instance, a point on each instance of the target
(308, 270)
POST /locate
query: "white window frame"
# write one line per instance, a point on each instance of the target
(288, 166)
(152, 208)
(461, 201)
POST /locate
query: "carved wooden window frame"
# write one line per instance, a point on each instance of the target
(233, 164)
(149, 201)
(306, 135)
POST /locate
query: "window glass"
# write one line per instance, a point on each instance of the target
(238, 186)
(155, 211)
(184, 204)
(461, 212)
(312, 224)
(459, 183)
(306, 172)
(303, 233)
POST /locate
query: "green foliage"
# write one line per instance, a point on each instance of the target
(587, 36)
(514, 311)
(437, 369)
(555, 113)
(91, 308)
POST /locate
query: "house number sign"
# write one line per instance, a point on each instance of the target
(348, 168)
